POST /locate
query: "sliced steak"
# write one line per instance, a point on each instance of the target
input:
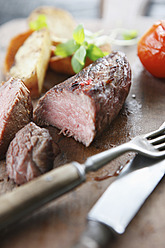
(15, 112)
(30, 154)
(86, 103)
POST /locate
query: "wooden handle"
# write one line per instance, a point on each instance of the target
(32, 195)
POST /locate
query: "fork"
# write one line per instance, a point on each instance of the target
(151, 145)
(32, 195)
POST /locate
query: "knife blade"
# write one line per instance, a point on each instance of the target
(121, 201)
(23, 200)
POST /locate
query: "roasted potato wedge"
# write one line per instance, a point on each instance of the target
(60, 22)
(15, 43)
(31, 60)
(63, 65)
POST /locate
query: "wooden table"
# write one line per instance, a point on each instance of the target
(60, 223)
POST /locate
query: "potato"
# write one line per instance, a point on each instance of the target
(31, 61)
(63, 65)
(60, 22)
(15, 43)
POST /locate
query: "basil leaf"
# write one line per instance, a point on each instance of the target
(78, 59)
(39, 23)
(94, 52)
(80, 55)
(78, 34)
(85, 44)
(77, 67)
(66, 49)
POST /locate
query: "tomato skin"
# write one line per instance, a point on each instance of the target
(151, 49)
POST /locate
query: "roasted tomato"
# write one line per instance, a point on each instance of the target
(151, 49)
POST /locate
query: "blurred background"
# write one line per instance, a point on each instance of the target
(85, 9)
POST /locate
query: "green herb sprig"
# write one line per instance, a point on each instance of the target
(84, 42)
(40, 22)
(79, 48)
(130, 34)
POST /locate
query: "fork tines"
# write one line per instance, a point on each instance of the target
(157, 137)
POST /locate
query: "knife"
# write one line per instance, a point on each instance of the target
(121, 201)
(23, 200)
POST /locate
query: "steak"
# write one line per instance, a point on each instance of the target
(86, 103)
(15, 112)
(30, 153)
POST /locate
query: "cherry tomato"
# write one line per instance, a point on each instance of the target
(151, 49)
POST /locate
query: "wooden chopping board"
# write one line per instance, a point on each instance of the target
(60, 223)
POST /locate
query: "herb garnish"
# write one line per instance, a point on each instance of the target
(84, 42)
(80, 49)
(130, 34)
(39, 23)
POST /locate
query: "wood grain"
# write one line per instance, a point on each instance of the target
(60, 223)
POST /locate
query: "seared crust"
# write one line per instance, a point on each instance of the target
(106, 82)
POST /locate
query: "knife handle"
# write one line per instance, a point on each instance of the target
(96, 235)
(32, 195)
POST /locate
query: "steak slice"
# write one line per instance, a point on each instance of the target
(15, 112)
(30, 154)
(86, 103)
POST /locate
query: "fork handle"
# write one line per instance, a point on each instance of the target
(95, 162)
(32, 195)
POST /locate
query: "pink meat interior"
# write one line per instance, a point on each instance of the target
(7, 97)
(73, 114)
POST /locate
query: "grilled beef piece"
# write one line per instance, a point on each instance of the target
(15, 111)
(30, 154)
(86, 103)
